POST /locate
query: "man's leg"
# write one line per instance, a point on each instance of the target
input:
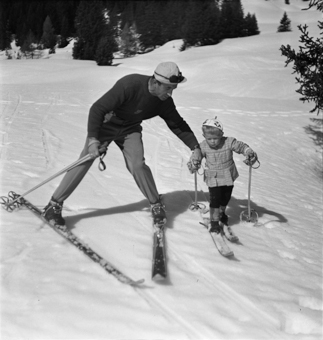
(72, 178)
(133, 152)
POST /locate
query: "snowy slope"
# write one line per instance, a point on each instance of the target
(273, 287)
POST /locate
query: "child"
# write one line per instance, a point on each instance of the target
(220, 171)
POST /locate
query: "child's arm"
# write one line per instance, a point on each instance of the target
(245, 149)
(251, 156)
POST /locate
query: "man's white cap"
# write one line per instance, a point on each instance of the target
(169, 73)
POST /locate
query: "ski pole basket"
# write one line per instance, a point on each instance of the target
(250, 215)
(195, 206)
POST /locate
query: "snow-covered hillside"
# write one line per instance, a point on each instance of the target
(272, 289)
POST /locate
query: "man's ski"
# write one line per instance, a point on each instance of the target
(159, 271)
(78, 243)
(220, 243)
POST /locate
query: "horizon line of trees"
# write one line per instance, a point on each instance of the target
(103, 27)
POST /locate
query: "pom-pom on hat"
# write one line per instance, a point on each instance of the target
(215, 124)
(169, 73)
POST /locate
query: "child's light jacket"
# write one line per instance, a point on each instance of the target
(220, 168)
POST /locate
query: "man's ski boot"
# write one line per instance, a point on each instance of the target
(52, 213)
(159, 214)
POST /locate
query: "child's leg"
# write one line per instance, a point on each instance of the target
(215, 194)
(225, 197)
(222, 209)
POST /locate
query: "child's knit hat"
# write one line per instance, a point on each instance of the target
(216, 124)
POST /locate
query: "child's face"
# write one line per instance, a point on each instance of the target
(212, 139)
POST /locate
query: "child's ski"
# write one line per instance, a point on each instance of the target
(220, 243)
(229, 234)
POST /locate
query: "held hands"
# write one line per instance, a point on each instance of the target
(195, 162)
(197, 155)
(193, 166)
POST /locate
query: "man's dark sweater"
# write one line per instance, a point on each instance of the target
(129, 102)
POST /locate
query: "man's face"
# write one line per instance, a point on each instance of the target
(163, 91)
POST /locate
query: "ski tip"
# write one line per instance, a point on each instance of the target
(229, 254)
(137, 283)
(234, 239)
(158, 277)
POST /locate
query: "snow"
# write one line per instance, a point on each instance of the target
(272, 289)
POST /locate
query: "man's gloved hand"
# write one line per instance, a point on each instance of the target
(195, 161)
(193, 167)
(196, 155)
(251, 157)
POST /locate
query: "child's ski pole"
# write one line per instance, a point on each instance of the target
(252, 215)
(196, 206)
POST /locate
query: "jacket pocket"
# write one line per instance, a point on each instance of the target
(210, 177)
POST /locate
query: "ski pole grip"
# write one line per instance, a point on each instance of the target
(102, 150)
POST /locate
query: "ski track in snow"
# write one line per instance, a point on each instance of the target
(246, 310)
(17, 121)
(246, 313)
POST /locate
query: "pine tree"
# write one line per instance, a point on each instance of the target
(232, 19)
(173, 19)
(48, 38)
(107, 44)
(250, 25)
(29, 45)
(104, 51)
(64, 33)
(284, 24)
(201, 25)
(211, 32)
(308, 63)
(149, 23)
(90, 23)
(129, 41)
(4, 43)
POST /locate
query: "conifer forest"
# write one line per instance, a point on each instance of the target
(102, 28)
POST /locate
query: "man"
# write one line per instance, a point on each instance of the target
(117, 116)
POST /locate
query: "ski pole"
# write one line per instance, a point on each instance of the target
(195, 180)
(196, 206)
(249, 191)
(252, 215)
(66, 169)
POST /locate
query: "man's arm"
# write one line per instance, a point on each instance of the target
(177, 124)
(181, 129)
